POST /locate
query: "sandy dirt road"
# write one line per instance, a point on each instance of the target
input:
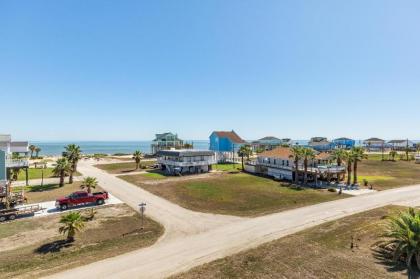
(190, 241)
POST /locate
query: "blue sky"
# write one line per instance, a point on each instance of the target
(125, 70)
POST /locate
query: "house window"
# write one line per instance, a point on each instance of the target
(287, 163)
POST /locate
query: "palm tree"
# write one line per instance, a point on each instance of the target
(393, 153)
(73, 154)
(244, 151)
(403, 236)
(89, 183)
(37, 150)
(407, 153)
(348, 158)
(73, 223)
(62, 168)
(307, 154)
(137, 156)
(296, 155)
(32, 149)
(358, 154)
(338, 155)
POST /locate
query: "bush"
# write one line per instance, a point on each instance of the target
(120, 154)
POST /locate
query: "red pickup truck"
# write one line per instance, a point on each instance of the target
(81, 197)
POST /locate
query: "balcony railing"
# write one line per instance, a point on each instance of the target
(187, 164)
(319, 169)
(17, 163)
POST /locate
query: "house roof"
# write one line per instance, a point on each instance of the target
(323, 156)
(375, 139)
(279, 152)
(232, 135)
(164, 135)
(270, 138)
(342, 139)
(398, 141)
(318, 139)
(185, 153)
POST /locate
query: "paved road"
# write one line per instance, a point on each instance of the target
(202, 243)
(178, 221)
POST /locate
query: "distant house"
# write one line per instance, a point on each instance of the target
(375, 144)
(344, 143)
(320, 144)
(8, 162)
(279, 163)
(266, 143)
(226, 145)
(186, 161)
(401, 144)
(166, 141)
(286, 141)
(222, 141)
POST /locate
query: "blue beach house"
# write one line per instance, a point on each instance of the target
(344, 143)
(223, 141)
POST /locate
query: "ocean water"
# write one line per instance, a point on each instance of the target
(106, 147)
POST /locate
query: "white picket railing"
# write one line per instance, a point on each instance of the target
(17, 163)
(187, 164)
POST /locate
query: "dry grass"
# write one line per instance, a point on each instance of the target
(320, 252)
(387, 174)
(125, 167)
(234, 194)
(114, 231)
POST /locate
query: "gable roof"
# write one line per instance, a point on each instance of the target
(342, 139)
(270, 138)
(398, 141)
(375, 139)
(323, 156)
(279, 152)
(232, 136)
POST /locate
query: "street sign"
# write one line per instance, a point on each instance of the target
(142, 210)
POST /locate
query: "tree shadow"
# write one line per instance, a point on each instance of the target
(47, 187)
(384, 256)
(53, 247)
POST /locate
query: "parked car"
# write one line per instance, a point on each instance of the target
(81, 197)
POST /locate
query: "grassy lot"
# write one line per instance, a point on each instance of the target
(227, 167)
(387, 174)
(124, 167)
(320, 252)
(153, 175)
(378, 157)
(37, 173)
(234, 194)
(32, 248)
(50, 192)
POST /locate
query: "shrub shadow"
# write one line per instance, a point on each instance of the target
(53, 247)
